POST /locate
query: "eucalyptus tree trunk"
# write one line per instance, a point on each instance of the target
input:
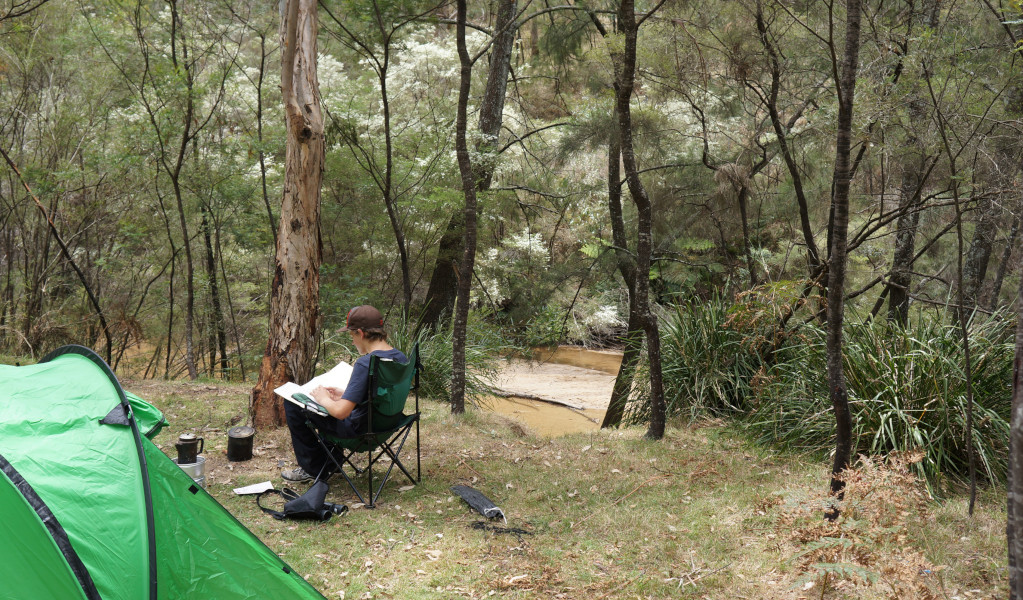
(1014, 526)
(461, 317)
(839, 246)
(294, 294)
(624, 61)
(440, 295)
(492, 104)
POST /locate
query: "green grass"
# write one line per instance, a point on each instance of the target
(700, 514)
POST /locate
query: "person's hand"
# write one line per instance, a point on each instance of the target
(321, 395)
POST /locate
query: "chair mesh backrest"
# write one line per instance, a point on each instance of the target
(391, 381)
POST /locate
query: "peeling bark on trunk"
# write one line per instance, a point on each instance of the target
(294, 294)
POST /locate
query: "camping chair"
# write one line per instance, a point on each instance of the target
(387, 427)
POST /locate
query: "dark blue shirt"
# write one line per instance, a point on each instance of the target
(356, 390)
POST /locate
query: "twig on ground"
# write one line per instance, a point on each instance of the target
(621, 587)
(641, 485)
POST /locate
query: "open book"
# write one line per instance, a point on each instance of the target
(302, 394)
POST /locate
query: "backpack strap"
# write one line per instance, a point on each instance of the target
(287, 493)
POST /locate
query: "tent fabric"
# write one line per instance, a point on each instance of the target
(138, 524)
(43, 558)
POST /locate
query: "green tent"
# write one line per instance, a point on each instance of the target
(93, 509)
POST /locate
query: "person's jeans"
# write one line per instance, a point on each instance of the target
(308, 453)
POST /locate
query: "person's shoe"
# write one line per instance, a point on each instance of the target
(297, 475)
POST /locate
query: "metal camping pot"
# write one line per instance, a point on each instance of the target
(189, 447)
(196, 470)
(239, 443)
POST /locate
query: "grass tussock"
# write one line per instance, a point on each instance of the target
(700, 514)
(907, 386)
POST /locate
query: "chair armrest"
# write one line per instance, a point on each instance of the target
(309, 404)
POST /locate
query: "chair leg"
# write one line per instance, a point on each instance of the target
(369, 468)
(387, 447)
(325, 471)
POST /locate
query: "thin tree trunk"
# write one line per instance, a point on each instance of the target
(906, 225)
(492, 104)
(174, 172)
(1014, 525)
(813, 259)
(979, 256)
(965, 302)
(1003, 266)
(230, 308)
(461, 317)
(67, 256)
(633, 338)
(294, 294)
(625, 75)
(217, 337)
(839, 245)
(442, 291)
(259, 136)
(388, 192)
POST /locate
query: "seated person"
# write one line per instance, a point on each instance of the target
(347, 408)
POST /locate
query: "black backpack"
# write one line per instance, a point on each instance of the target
(310, 505)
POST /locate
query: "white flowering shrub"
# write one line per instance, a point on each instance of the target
(511, 270)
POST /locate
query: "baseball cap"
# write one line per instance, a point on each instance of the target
(363, 317)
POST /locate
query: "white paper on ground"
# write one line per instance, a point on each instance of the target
(255, 488)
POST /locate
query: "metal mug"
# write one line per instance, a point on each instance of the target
(189, 447)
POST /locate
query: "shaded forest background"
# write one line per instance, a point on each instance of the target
(140, 198)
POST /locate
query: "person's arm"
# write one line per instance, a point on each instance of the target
(330, 399)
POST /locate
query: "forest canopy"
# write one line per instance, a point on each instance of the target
(145, 150)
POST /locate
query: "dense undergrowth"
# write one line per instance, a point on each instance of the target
(907, 386)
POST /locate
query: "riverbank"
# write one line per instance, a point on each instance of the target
(560, 391)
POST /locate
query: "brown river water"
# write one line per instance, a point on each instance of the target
(562, 390)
